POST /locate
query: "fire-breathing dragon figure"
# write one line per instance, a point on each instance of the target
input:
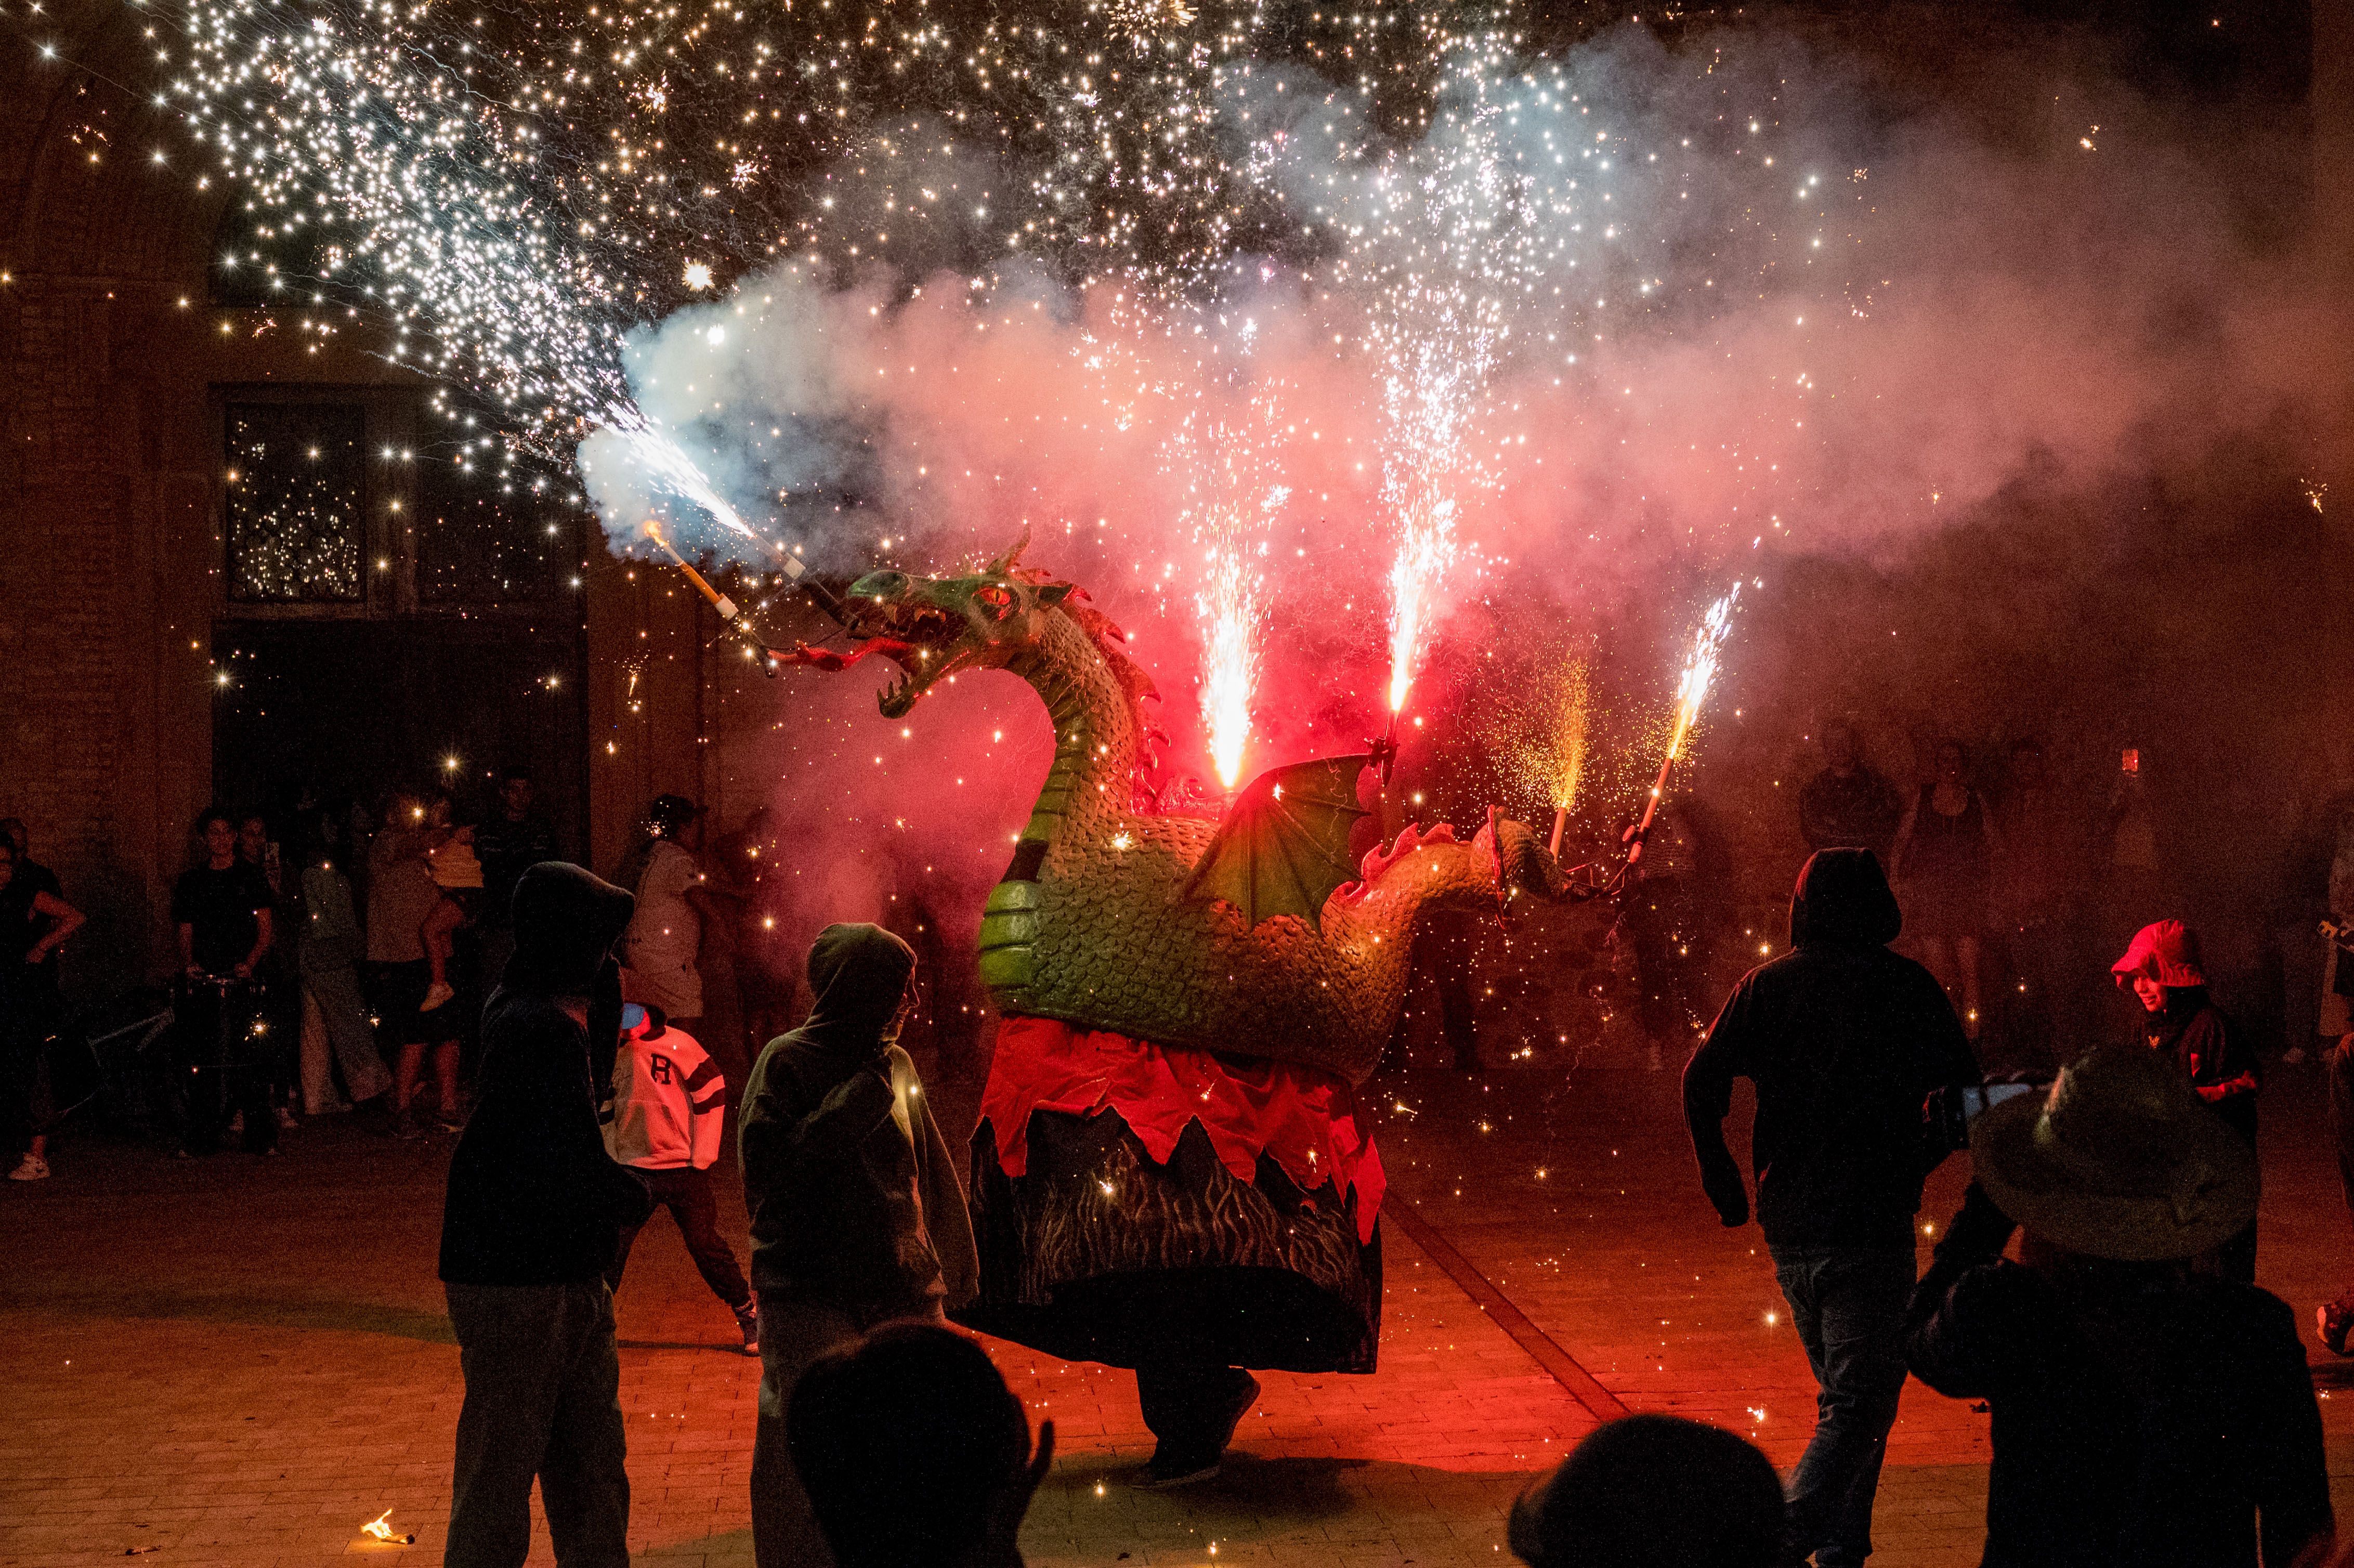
(1171, 1171)
(1257, 934)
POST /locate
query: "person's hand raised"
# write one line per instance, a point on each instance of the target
(1000, 1531)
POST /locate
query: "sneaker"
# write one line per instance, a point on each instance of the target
(436, 994)
(2333, 1318)
(32, 1169)
(286, 1117)
(237, 1124)
(748, 1322)
(408, 1125)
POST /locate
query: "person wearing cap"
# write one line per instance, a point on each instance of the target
(2144, 1411)
(665, 936)
(1655, 1491)
(2181, 1023)
(1844, 1041)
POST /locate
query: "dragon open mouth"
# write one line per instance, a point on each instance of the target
(920, 639)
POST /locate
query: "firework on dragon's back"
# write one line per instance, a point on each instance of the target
(1232, 613)
(1543, 741)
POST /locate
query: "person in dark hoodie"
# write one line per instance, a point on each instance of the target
(857, 1215)
(1844, 1041)
(533, 1217)
(2181, 1023)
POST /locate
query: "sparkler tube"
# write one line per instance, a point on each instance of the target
(1382, 751)
(1642, 829)
(719, 602)
(1560, 819)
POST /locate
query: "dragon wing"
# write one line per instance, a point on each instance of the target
(1283, 846)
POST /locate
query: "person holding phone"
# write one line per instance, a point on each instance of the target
(664, 1123)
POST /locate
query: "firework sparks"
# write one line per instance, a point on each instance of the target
(526, 201)
(1542, 742)
(1225, 470)
(1232, 612)
(1700, 670)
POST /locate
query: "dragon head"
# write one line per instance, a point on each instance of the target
(932, 627)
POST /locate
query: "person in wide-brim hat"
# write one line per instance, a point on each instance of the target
(2120, 1159)
(2145, 1408)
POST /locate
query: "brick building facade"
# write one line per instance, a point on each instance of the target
(125, 654)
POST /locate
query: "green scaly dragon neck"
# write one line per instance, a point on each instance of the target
(1087, 793)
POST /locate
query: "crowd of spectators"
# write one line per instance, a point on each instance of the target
(2150, 1403)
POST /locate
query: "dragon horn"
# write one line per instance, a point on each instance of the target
(1006, 562)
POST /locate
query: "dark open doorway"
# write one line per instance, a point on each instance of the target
(351, 708)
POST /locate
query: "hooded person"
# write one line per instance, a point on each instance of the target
(534, 1212)
(2179, 1022)
(2143, 1411)
(1844, 1041)
(857, 1215)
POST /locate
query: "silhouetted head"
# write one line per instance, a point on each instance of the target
(1842, 899)
(1653, 1491)
(858, 976)
(566, 922)
(914, 1452)
(217, 831)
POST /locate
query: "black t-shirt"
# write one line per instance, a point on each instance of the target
(508, 850)
(220, 905)
(21, 925)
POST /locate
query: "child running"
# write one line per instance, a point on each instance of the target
(669, 1100)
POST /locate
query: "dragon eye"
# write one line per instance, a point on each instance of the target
(997, 600)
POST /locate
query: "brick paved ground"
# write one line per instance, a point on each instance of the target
(237, 1363)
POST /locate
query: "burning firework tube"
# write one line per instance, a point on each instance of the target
(1560, 819)
(719, 602)
(1642, 829)
(1699, 671)
(1382, 750)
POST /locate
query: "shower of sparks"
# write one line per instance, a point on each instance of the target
(1542, 742)
(1448, 236)
(1232, 609)
(514, 194)
(1225, 472)
(1700, 670)
(523, 199)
